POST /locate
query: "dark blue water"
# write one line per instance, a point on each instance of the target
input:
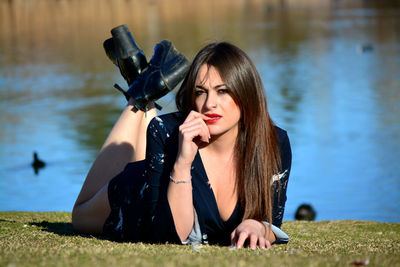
(331, 73)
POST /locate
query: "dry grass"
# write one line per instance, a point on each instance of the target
(32, 239)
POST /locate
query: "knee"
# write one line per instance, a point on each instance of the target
(87, 221)
(81, 220)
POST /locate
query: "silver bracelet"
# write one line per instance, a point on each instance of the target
(180, 182)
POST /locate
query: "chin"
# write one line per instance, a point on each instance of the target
(216, 133)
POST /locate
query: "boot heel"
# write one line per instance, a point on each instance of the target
(109, 47)
(124, 42)
(132, 60)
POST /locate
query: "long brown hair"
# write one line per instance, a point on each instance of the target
(256, 149)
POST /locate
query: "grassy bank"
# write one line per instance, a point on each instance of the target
(32, 238)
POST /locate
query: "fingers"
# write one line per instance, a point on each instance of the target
(253, 240)
(267, 244)
(262, 243)
(242, 238)
(194, 114)
(194, 126)
(233, 238)
(192, 132)
(238, 240)
(198, 126)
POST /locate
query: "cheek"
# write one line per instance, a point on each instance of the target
(232, 105)
(234, 108)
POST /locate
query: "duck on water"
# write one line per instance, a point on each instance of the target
(37, 163)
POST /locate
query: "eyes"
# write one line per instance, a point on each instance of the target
(223, 91)
(200, 91)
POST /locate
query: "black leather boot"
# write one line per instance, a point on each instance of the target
(166, 69)
(122, 50)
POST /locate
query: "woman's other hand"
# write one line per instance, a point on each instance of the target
(192, 132)
(254, 232)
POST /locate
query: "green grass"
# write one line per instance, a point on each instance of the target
(48, 239)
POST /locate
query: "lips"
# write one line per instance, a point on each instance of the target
(213, 118)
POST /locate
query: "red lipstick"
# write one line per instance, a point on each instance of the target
(213, 118)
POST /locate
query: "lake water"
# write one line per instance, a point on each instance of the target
(331, 70)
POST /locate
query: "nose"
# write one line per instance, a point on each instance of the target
(211, 100)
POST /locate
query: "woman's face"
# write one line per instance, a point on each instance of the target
(213, 99)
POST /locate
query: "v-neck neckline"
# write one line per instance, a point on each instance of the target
(211, 191)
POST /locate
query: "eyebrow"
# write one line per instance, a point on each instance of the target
(215, 87)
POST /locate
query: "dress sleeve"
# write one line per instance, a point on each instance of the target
(280, 181)
(159, 163)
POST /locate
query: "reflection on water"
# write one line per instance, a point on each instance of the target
(330, 70)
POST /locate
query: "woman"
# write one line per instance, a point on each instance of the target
(214, 172)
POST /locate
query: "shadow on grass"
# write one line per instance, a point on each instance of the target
(60, 228)
(66, 229)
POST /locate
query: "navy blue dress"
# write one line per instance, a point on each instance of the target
(138, 195)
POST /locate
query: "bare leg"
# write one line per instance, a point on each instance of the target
(125, 143)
